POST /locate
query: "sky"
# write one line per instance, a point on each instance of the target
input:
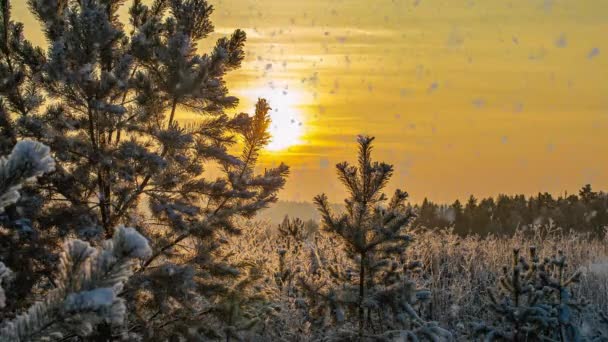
(464, 97)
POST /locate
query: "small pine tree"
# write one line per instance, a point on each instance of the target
(534, 301)
(372, 233)
(291, 235)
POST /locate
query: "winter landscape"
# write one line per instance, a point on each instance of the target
(272, 170)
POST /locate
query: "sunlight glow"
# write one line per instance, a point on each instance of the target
(287, 127)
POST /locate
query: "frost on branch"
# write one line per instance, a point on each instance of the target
(88, 283)
(5, 274)
(534, 301)
(28, 160)
(130, 244)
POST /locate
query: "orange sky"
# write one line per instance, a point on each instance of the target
(482, 97)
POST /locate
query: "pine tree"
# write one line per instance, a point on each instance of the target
(105, 96)
(373, 234)
(290, 238)
(534, 301)
(89, 280)
(459, 219)
(587, 194)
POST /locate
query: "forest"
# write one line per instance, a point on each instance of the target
(119, 222)
(585, 212)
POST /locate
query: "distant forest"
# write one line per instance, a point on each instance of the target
(585, 212)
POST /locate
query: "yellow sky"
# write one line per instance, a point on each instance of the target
(481, 97)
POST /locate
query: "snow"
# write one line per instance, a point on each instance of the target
(561, 41)
(479, 102)
(593, 53)
(92, 300)
(5, 273)
(33, 155)
(599, 268)
(134, 244)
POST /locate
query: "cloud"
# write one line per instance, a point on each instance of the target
(341, 34)
(251, 32)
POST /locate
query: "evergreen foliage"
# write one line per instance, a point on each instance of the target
(5, 275)
(585, 212)
(534, 301)
(291, 236)
(89, 280)
(27, 161)
(86, 293)
(372, 231)
(104, 96)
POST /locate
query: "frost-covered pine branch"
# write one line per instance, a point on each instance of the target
(28, 160)
(88, 283)
(5, 274)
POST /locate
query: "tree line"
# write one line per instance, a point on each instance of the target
(585, 212)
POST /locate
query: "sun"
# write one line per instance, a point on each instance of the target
(287, 121)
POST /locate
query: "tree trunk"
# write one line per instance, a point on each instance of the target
(361, 294)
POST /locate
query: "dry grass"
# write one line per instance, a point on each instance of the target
(458, 270)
